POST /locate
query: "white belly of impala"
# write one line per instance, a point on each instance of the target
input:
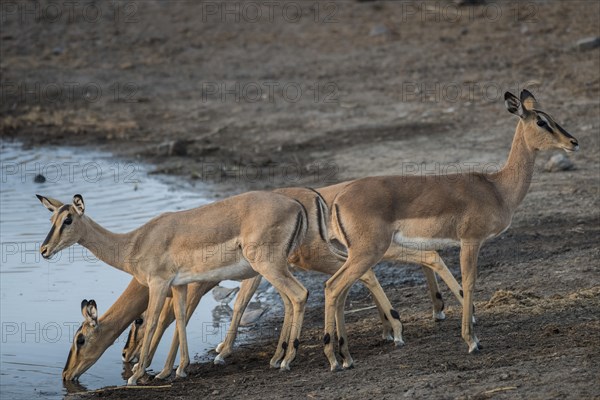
(236, 271)
(424, 244)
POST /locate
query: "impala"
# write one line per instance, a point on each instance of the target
(314, 255)
(237, 238)
(432, 212)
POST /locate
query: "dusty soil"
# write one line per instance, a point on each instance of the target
(359, 88)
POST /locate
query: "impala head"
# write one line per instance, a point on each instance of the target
(86, 348)
(66, 224)
(540, 129)
(133, 346)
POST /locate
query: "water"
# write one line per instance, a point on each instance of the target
(40, 299)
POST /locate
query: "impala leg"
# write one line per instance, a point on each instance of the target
(297, 294)
(435, 294)
(166, 317)
(354, 267)
(179, 305)
(247, 290)
(469, 252)
(435, 262)
(384, 307)
(158, 294)
(340, 325)
(402, 254)
(284, 337)
(195, 293)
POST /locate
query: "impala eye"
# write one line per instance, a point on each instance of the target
(541, 123)
(68, 221)
(139, 321)
(80, 340)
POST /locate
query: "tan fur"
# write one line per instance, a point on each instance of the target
(314, 255)
(429, 212)
(236, 238)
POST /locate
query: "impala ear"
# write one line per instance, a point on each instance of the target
(513, 104)
(50, 203)
(528, 101)
(90, 312)
(78, 204)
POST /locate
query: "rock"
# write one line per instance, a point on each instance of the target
(39, 178)
(588, 43)
(559, 162)
(224, 295)
(57, 50)
(251, 317)
(174, 148)
(379, 30)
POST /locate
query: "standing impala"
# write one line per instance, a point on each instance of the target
(237, 238)
(432, 212)
(314, 255)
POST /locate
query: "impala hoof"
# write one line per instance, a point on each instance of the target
(132, 381)
(219, 347)
(219, 360)
(398, 342)
(180, 374)
(387, 336)
(275, 364)
(284, 366)
(474, 348)
(348, 365)
(163, 374)
(336, 368)
(439, 316)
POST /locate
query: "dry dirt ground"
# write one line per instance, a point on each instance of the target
(311, 93)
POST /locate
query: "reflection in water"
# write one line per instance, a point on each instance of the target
(40, 299)
(252, 314)
(224, 295)
(74, 387)
(221, 314)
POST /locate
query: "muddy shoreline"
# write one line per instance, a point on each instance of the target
(383, 91)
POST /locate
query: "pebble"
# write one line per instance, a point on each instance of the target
(558, 162)
(39, 178)
(588, 43)
(379, 30)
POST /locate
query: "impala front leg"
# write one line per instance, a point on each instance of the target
(179, 304)
(392, 328)
(158, 294)
(247, 290)
(469, 252)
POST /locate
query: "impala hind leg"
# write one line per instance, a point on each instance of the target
(435, 294)
(288, 287)
(158, 294)
(284, 336)
(356, 265)
(298, 295)
(436, 263)
(247, 290)
(391, 324)
(340, 325)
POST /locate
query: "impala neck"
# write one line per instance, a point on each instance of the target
(112, 248)
(129, 306)
(514, 178)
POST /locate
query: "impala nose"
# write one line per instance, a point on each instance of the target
(44, 251)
